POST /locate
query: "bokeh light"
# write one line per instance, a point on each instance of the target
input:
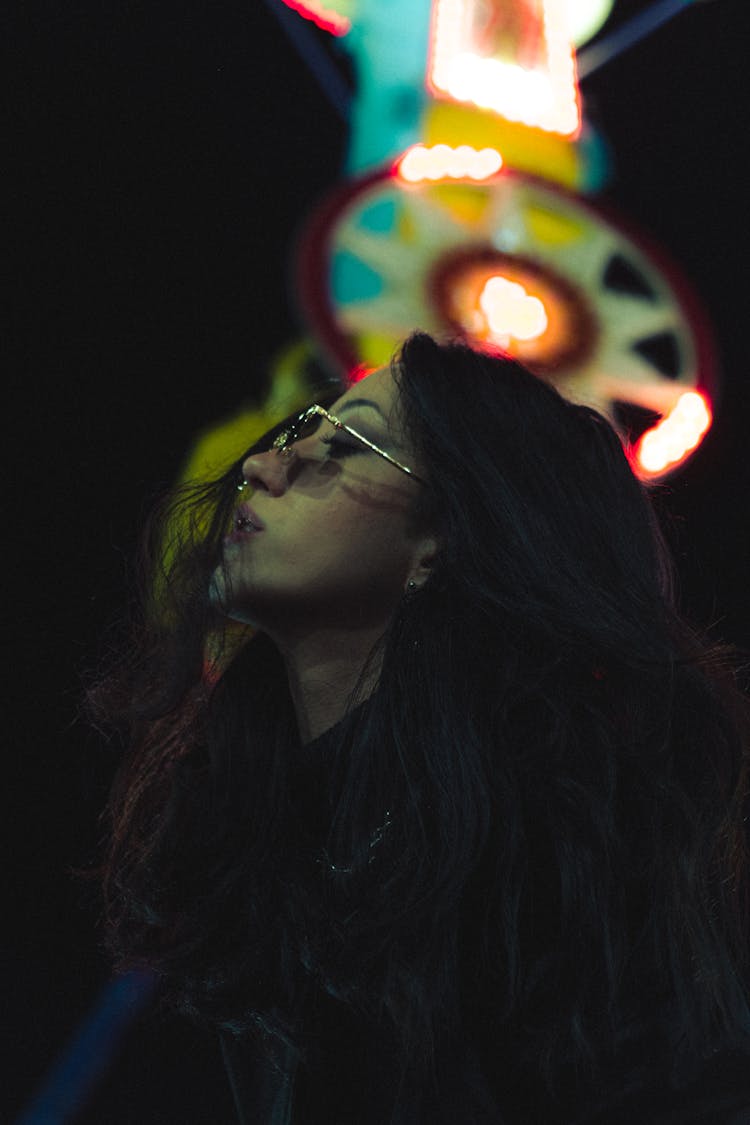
(677, 434)
(520, 63)
(441, 161)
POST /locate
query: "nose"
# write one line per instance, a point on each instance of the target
(269, 471)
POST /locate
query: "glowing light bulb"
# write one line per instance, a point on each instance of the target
(466, 64)
(669, 442)
(441, 162)
(511, 311)
(692, 407)
(650, 454)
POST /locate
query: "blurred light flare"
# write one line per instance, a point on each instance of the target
(358, 373)
(325, 18)
(544, 96)
(440, 162)
(584, 17)
(511, 312)
(668, 442)
(503, 300)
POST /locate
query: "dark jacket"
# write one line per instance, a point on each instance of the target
(354, 1082)
(352, 1073)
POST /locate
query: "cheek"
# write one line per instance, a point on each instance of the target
(357, 544)
(333, 548)
(365, 540)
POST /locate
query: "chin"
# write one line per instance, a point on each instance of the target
(222, 601)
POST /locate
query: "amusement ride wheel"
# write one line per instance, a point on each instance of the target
(594, 307)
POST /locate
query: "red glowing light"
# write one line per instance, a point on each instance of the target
(358, 373)
(513, 57)
(321, 16)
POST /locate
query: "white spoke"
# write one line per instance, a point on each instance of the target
(393, 312)
(434, 225)
(585, 260)
(383, 255)
(649, 390)
(505, 222)
(629, 319)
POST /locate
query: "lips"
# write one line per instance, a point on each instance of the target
(246, 523)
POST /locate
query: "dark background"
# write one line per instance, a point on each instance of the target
(159, 158)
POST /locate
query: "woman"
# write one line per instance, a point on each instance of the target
(432, 804)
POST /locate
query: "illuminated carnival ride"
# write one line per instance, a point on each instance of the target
(467, 211)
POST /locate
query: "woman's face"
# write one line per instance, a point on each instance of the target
(335, 543)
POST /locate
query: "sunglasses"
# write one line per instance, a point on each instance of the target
(308, 423)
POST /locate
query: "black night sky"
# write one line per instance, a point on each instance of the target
(159, 160)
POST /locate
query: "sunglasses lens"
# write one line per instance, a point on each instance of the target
(307, 427)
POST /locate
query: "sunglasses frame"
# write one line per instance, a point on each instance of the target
(287, 437)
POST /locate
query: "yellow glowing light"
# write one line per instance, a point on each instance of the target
(442, 162)
(320, 15)
(511, 312)
(464, 64)
(676, 435)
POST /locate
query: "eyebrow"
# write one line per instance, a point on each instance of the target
(386, 441)
(361, 402)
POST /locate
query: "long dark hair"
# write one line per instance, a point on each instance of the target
(539, 812)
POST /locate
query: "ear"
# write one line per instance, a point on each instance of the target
(425, 554)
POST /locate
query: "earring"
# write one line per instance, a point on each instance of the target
(411, 587)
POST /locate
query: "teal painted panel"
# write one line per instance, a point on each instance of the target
(353, 280)
(380, 218)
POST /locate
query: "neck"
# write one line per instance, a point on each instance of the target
(323, 669)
